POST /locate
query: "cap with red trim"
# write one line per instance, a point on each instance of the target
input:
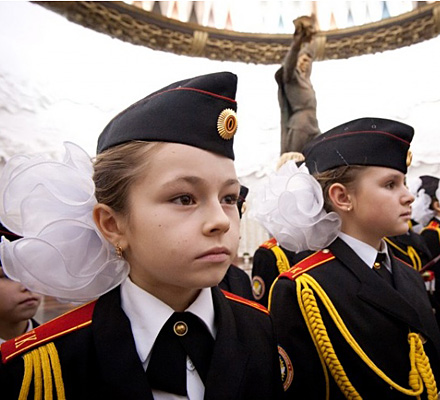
(199, 112)
(364, 141)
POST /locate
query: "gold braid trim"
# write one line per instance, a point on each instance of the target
(40, 364)
(420, 373)
(56, 367)
(282, 262)
(27, 377)
(47, 375)
(415, 258)
(423, 366)
(411, 253)
(38, 382)
(318, 332)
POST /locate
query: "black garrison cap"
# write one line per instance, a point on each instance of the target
(365, 141)
(199, 112)
(430, 184)
(11, 236)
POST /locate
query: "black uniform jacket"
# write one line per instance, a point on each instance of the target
(237, 281)
(377, 315)
(399, 246)
(99, 361)
(431, 234)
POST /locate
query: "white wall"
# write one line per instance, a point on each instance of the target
(60, 81)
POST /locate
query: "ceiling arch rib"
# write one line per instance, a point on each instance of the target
(138, 26)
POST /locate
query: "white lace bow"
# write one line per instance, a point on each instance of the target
(50, 203)
(420, 210)
(290, 207)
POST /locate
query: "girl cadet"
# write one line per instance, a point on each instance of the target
(345, 330)
(154, 243)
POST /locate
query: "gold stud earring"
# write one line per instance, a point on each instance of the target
(118, 250)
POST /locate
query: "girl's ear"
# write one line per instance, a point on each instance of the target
(110, 224)
(338, 195)
(436, 206)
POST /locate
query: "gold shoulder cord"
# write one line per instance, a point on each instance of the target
(415, 258)
(41, 363)
(420, 375)
(282, 262)
(411, 253)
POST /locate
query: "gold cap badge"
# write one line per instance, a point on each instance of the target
(409, 158)
(227, 123)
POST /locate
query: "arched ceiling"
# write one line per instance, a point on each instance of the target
(193, 33)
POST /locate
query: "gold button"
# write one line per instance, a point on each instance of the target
(376, 265)
(326, 251)
(180, 328)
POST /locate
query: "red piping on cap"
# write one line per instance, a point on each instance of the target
(353, 133)
(196, 90)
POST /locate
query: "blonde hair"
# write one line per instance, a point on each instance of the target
(345, 175)
(291, 155)
(118, 168)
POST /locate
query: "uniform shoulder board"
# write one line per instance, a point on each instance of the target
(433, 224)
(68, 322)
(247, 302)
(308, 263)
(268, 244)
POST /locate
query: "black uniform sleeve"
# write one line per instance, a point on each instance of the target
(432, 240)
(264, 272)
(302, 372)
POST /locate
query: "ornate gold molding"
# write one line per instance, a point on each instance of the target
(134, 25)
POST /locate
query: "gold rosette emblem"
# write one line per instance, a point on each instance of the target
(409, 158)
(227, 124)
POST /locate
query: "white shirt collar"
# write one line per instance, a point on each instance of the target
(147, 315)
(366, 252)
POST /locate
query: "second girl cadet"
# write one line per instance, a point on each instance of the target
(353, 321)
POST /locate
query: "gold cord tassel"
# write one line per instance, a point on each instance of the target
(40, 364)
(47, 374)
(282, 261)
(411, 253)
(415, 258)
(318, 331)
(38, 382)
(27, 377)
(56, 368)
(420, 375)
(422, 365)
